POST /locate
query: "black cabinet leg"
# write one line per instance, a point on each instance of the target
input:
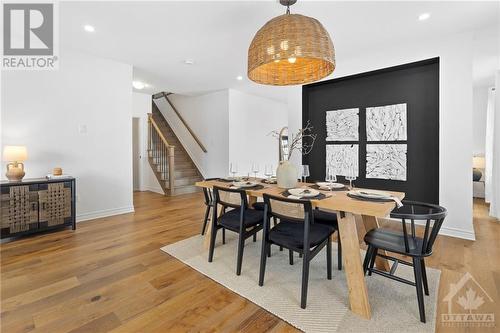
(290, 256)
(223, 235)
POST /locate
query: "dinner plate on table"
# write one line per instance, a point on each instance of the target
(333, 185)
(371, 194)
(244, 184)
(303, 192)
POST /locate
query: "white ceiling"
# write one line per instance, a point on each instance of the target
(156, 37)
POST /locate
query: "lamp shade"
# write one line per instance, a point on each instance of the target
(290, 49)
(478, 162)
(15, 153)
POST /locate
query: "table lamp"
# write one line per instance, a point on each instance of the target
(15, 155)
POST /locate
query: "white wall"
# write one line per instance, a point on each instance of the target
(141, 106)
(251, 119)
(480, 102)
(207, 115)
(48, 111)
(456, 138)
(233, 126)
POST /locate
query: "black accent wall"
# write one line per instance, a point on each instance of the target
(417, 85)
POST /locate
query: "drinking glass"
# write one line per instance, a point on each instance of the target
(330, 177)
(351, 176)
(268, 171)
(255, 169)
(234, 169)
(305, 173)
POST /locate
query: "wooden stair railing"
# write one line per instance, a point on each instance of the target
(195, 137)
(162, 155)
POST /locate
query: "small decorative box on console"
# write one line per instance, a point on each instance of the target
(34, 205)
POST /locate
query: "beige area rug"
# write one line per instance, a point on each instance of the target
(394, 305)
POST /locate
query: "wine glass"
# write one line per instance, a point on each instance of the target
(305, 173)
(255, 169)
(351, 176)
(268, 171)
(330, 177)
(234, 169)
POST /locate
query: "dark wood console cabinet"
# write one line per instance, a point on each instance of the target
(35, 205)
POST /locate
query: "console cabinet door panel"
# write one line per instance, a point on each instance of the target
(19, 209)
(54, 204)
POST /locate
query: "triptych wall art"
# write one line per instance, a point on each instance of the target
(381, 126)
(386, 147)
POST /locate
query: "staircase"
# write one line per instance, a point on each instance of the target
(171, 164)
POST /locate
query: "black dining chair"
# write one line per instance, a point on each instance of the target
(240, 219)
(297, 232)
(407, 244)
(208, 196)
(330, 219)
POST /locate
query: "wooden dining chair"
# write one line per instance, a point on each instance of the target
(239, 218)
(297, 232)
(407, 244)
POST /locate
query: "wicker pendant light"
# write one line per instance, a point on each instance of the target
(290, 49)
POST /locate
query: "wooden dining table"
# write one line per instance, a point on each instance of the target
(355, 218)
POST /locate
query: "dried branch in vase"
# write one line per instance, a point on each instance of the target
(302, 141)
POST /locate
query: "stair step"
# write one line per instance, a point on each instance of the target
(186, 189)
(186, 172)
(187, 181)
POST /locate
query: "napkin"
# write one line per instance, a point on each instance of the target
(398, 202)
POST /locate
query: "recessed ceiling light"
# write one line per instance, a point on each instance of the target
(424, 16)
(89, 28)
(139, 85)
(189, 61)
(239, 78)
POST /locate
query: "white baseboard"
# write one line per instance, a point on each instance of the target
(445, 231)
(104, 213)
(153, 189)
(457, 233)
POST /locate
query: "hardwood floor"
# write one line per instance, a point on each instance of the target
(109, 275)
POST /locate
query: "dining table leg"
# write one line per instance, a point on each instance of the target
(370, 223)
(358, 293)
(251, 200)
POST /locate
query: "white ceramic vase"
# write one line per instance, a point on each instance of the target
(286, 175)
